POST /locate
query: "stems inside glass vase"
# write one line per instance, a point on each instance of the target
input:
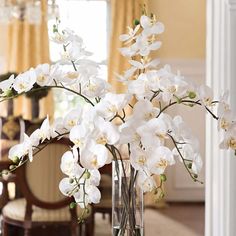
(127, 201)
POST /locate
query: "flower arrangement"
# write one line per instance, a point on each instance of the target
(104, 129)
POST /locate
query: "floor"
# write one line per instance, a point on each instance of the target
(175, 219)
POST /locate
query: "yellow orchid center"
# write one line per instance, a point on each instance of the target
(41, 78)
(224, 124)
(102, 140)
(162, 163)
(149, 115)
(232, 143)
(71, 123)
(94, 162)
(72, 75)
(142, 160)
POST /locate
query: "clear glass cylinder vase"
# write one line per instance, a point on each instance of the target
(127, 200)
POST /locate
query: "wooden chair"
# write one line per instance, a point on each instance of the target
(43, 204)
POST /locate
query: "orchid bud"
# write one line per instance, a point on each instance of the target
(178, 100)
(163, 177)
(72, 205)
(15, 159)
(192, 95)
(136, 22)
(195, 176)
(162, 195)
(87, 210)
(9, 93)
(55, 30)
(87, 175)
(71, 181)
(155, 191)
(5, 172)
(190, 165)
(12, 167)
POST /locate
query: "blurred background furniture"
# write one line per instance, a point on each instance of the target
(11, 129)
(43, 204)
(105, 205)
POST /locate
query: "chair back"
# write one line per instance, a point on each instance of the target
(39, 180)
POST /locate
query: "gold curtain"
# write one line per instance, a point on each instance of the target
(28, 46)
(123, 14)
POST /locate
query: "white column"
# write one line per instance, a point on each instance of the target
(221, 75)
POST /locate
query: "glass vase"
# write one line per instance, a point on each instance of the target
(127, 200)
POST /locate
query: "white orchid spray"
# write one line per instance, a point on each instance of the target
(99, 128)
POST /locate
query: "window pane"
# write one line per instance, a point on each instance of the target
(89, 20)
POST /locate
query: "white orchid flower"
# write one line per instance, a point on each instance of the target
(74, 52)
(226, 120)
(56, 74)
(93, 194)
(89, 115)
(180, 131)
(95, 177)
(59, 38)
(17, 151)
(127, 38)
(78, 135)
(145, 110)
(43, 77)
(128, 131)
(138, 158)
(72, 36)
(197, 163)
(145, 181)
(67, 187)
(205, 94)
(22, 149)
(153, 133)
(45, 130)
(111, 104)
(129, 51)
(127, 75)
(171, 86)
(41, 134)
(105, 132)
(144, 64)
(6, 85)
(229, 140)
(94, 87)
(140, 87)
(72, 118)
(190, 153)
(94, 156)
(70, 78)
(25, 81)
(87, 68)
(69, 164)
(159, 159)
(144, 47)
(150, 26)
(223, 106)
(57, 127)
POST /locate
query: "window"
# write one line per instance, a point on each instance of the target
(88, 19)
